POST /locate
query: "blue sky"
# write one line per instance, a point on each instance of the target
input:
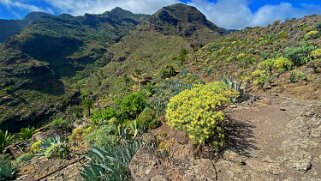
(225, 13)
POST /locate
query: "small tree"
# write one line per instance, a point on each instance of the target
(87, 104)
(198, 112)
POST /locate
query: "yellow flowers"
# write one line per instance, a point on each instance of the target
(316, 54)
(197, 112)
(312, 34)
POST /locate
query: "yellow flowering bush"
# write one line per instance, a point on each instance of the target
(259, 77)
(312, 34)
(316, 54)
(282, 64)
(35, 147)
(198, 112)
(279, 65)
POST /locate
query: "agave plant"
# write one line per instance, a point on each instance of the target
(7, 170)
(231, 83)
(54, 147)
(110, 163)
(5, 139)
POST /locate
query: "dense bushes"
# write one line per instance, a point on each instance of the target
(131, 105)
(198, 112)
(100, 116)
(278, 65)
(299, 55)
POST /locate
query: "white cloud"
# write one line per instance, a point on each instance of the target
(236, 14)
(20, 5)
(77, 7)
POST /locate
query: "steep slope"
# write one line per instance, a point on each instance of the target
(11, 27)
(40, 66)
(151, 47)
(282, 57)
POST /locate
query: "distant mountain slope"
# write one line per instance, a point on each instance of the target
(11, 27)
(185, 21)
(39, 65)
(153, 45)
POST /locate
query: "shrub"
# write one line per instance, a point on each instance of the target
(296, 76)
(146, 120)
(60, 124)
(5, 139)
(104, 135)
(35, 147)
(24, 158)
(100, 116)
(315, 65)
(131, 105)
(7, 170)
(266, 65)
(182, 55)
(167, 72)
(57, 150)
(312, 34)
(76, 134)
(282, 64)
(110, 162)
(299, 55)
(316, 54)
(54, 147)
(26, 133)
(260, 77)
(198, 112)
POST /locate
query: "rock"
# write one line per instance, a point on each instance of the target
(282, 109)
(203, 169)
(142, 164)
(160, 178)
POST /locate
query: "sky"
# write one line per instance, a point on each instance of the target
(231, 14)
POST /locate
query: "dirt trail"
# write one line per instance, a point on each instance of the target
(273, 138)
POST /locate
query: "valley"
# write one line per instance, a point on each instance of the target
(167, 96)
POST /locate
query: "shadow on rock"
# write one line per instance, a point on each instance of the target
(239, 137)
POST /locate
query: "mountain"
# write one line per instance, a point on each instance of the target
(11, 27)
(151, 47)
(40, 66)
(55, 58)
(183, 20)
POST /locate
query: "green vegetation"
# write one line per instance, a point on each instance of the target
(104, 135)
(54, 147)
(5, 139)
(299, 55)
(7, 170)
(100, 116)
(60, 124)
(24, 158)
(110, 163)
(132, 104)
(25, 133)
(198, 112)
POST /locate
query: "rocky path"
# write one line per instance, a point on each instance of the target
(272, 138)
(275, 138)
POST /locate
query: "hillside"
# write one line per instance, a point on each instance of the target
(170, 96)
(150, 50)
(12, 27)
(36, 63)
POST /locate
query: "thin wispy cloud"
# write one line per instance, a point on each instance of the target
(234, 14)
(20, 5)
(237, 14)
(77, 7)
